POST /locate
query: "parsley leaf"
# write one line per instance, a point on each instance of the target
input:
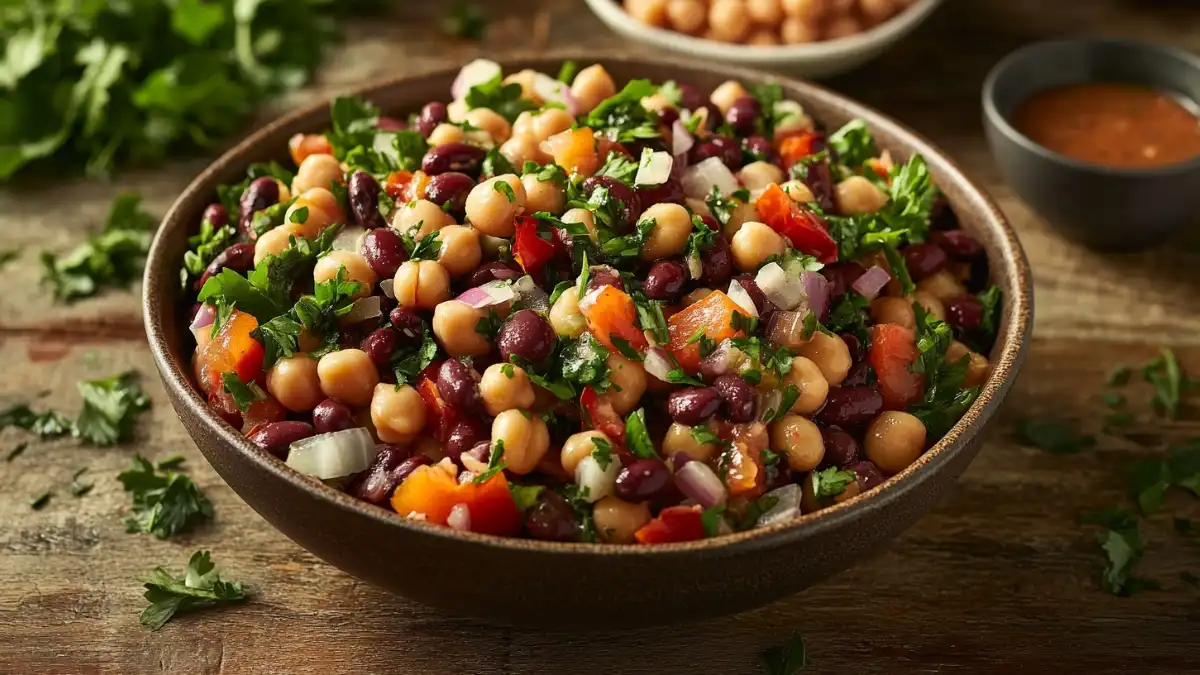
(585, 362)
(788, 659)
(577, 498)
(496, 164)
(711, 520)
(1119, 376)
(788, 399)
(854, 144)
(504, 99)
(990, 298)
(637, 438)
(203, 248)
(49, 424)
(1053, 436)
(650, 317)
(945, 400)
(722, 208)
(201, 587)
(622, 117)
(163, 504)
(602, 451)
(466, 20)
(1123, 546)
(39, 502)
(525, 496)
(110, 408)
(1164, 374)
(1148, 482)
(244, 394)
(114, 257)
(831, 482)
(408, 363)
(620, 167)
(495, 463)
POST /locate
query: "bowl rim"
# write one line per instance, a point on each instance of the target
(1037, 52)
(160, 287)
(893, 29)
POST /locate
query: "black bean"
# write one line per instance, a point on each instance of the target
(858, 351)
(260, 193)
(453, 157)
(463, 436)
(330, 415)
(431, 115)
(742, 115)
(551, 518)
(528, 335)
(215, 214)
(642, 480)
(841, 450)
(408, 325)
(860, 373)
(449, 191)
(380, 345)
(380, 482)
(239, 258)
(716, 263)
(738, 396)
(693, 405)
(275, 437)
(458, 385)
(665, 280)
(363, 193)
(630, 204)
(384, 252)
(851, 406)
(764, 306)
(494, 271)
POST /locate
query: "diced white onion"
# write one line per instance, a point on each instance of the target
(657, 363)
(459, 518)
(787, 505)
(387, 286)
(531, 294)
(363, 309)
(699, 179)
(488, 295)
(654, 169)
(475, 72)
(742, 298)
(699, 483)
(334, 455)
(349, 239)
(681, 140)
(783, 291)
(596, 483)
(694, 265)
(553, 91)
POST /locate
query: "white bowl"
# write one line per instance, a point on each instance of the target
(816, 59)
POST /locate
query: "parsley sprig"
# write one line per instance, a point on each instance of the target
(166, 503)
(199, 588)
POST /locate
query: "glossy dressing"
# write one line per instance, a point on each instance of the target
(1118, 125)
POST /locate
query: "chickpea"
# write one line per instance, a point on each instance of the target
(797, 32)
(756, 176)
(454, 326)
(457, 111)
(630, 377)
(729, 91)
(649, 12)
(577, 446)
(505, 386)
(565, 317)
(445, 133)
(591, 86)
(584, 217)
(942, 286)
(525, 78)
(695, 296)
(423, 215)
(317, 171)
(294, 383)
(348, 375)
(697, 206)
(523, 125)
(672, 227)
(809, 11)
(754, 243)
(977, 364)
(846, 26)
(762, 37)
(857, 195)
(276, 240)
(492, 210)
(808, 379)
(543, 195)
(894, 310)
(421, 284)
(766, 12)
(460, 253)
(876, 11)
(894, 440)
(931, 304)
(687, 16)
(526, 439)
(679, 439)
(397, 413)
(831, 355)
(740, 215)
(798, 191)
(521, 148)
(617, 520)
(551, 121)
(323, 211)
(356, 266)
(799, 440)
(490, 121)
(727, 22)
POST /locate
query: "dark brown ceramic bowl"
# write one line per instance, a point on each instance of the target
(580, 585)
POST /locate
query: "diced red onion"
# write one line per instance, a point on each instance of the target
(742, 298)
(595, 482)
(553, 91)
(785, 292)
(475, 72)
(817, 289)
(700, 484)
(388, 288)
(350, 238)
(722, 360)
(699, 179)
(657, 363)
(654, 169)
(786, 507)
(787, 328)
(204, 317)
(363, 309)
(871, 282)
(334, 455)
(459, 518)
(681, 140)
(488, 295)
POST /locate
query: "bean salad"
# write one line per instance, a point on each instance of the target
(556, 309)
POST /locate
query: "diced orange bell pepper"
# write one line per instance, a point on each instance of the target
(231, 350)
(807, 231)
(674, 523)
(433, 491)
(441, 416)
(406, 186)
(613, 314)
(301, 146)
(574, 150)
(795, 148)
(713, 315)
(893, 351)
(746, 476)
(879, 169)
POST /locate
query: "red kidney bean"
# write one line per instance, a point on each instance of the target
(758, 149)
(716, 264)
(668, 115)
(379, 482)
(384, 252)
(714, 117)
(363, 194)
(964, 312)
(727, 150)
(841, 276)
(630, 204)
(330, 415)
(459, 157)
(924, 260)
(841, 450)
(408, 326)
(764, 306)
(239, 258)
(742, 115)
(858, 351)
(819, 180)
(408, 466)
(642, 480)
(665, 280)
(941, 216)
(670, 191)
(690, 97)
(599, 277)
(494, 271)
(380, 345)
(458, 385)
(385, 123)
(260, 193)
(958, 244)
(851, 406)
(693, 405)
(431, 115)
(869, 476)
(449, 191)
(860, 373)
(527, 335)
(275, 437)
(738, 396)
(215, 214)
(351, 337)
(464, 436)
(551, 518)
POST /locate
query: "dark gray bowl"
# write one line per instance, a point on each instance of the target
(1096, 205)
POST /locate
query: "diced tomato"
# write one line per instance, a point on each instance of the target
(406, 186)
(807, 231)
(441, 415)
(574, 150)
(530, 250)
(263, 411)
(433, 491)
(893, 351)
(713, 315)
(746, 476)
(879, 168)
(602, 415)
(231, 350)
(302, 145)
(674, 523)
(795, 148)
(611, 313)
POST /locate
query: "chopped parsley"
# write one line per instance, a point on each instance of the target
(602, 452)
(16, 451)
(495, 463)
(78, 488)
(585, 362)
(1053, 436)
(496, 164)
(790, 394)
(202, 248)
(466, 20)
(163, 504)
(505, 189)
(244, 394)
(622, 118)
(637, 437)
(525, 496)
(711, 520)
(110, 409)
(577, 497)
(618, 166)
(39, 502)
(831, 482)
(722, 208)
(1164, 374)
(199, 588)
(651, 318)
(945, 400)
(428, 247)
(502, 98)
(112, 258)
(854, 144)
(49, 424)
(488, 326)
(408, 363)
(788, 659)
(1148, 481)
(1123, 547)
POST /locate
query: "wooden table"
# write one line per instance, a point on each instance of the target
(998, 579)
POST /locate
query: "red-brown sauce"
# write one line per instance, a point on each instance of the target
(1119, 125)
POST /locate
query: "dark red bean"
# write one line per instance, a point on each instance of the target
(964, 312)
(690, 97)
(630, 204)
(599, 277)
(668, 116)
(727, 150)
(453, 157)
(819, 180)
(494, 271)
(779, 475)
(528, 335)
(841, 450)
(215, 214)
(431, 115)
(351, 337)
(924, 260)
(860, 373)
(758, 149)
(331, 415)
(465, 435)
(449, 191)
(841, 276)
(670, 191)
(384, 252)
(958, 244)
(716, 263)
(693, 405)
(408, 466)
(738, 396)
(858, 351)
(385, 123)
(551, 518)
(260, 193)
(851, 406)
(458, 385)
(239, 258)
(665, 280)
(380, 481)
(642, 480)
(742, 115)
(408, 325)
(380, 345)
(714, 117)
(764, 306)
(275, 437)
(363, 194)
(869, 476)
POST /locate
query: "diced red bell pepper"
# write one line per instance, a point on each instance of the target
(674, 523)
(440, 413)
(231, 350)
(604, 419)
(879, 169)
(530, 250)
(893, 352)
(796, 147)
(807, 231)
(713, 315)
(613, 314)
(433, 491)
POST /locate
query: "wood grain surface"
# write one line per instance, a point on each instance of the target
(998, 579)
